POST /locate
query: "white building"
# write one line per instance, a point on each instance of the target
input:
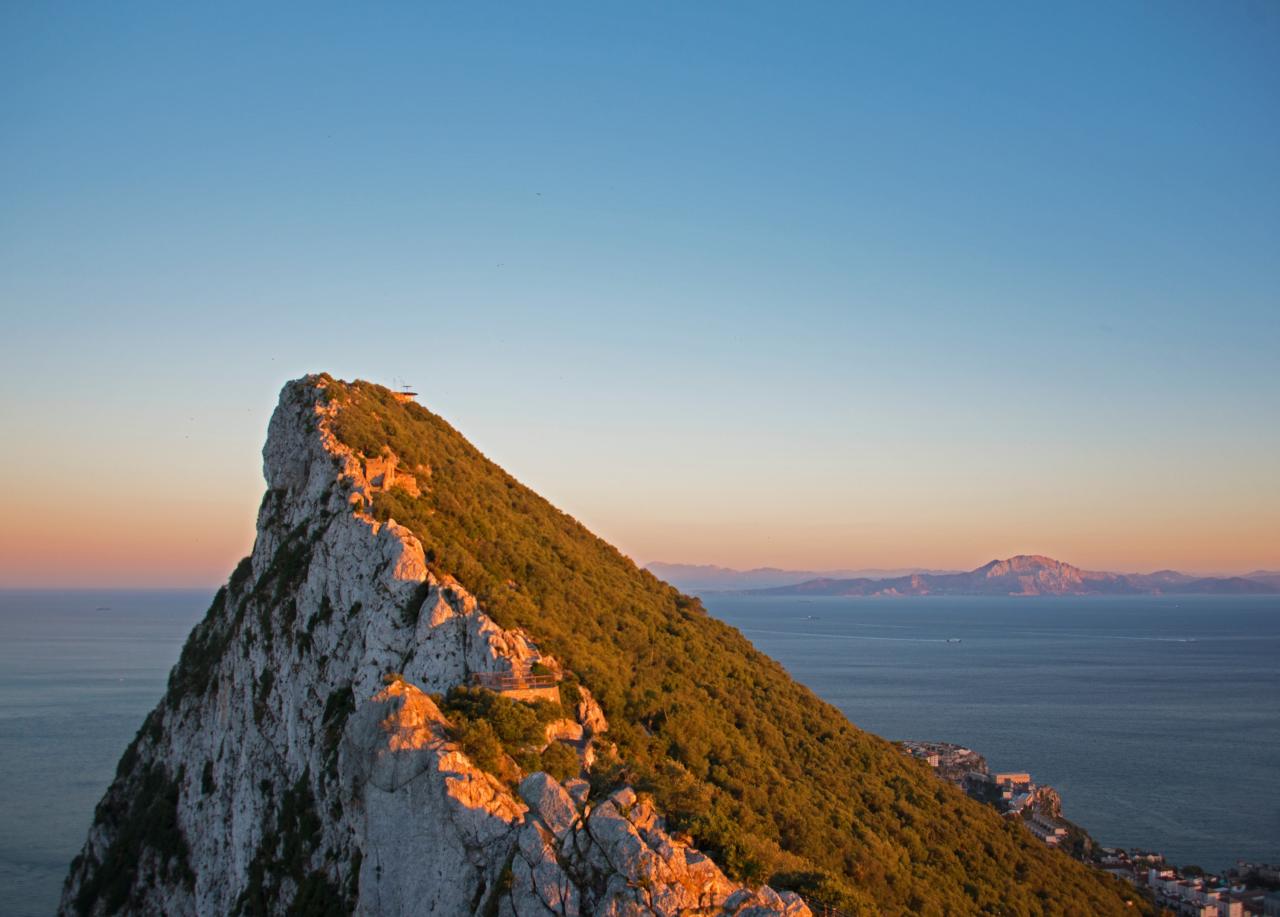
(1189, 897)
(1045, 828)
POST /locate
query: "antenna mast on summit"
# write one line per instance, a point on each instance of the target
(404, 391)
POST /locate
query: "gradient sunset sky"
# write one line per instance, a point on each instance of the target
(791, 284)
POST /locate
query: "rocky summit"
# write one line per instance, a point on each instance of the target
(427, 691)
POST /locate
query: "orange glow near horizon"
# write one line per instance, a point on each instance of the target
(172, 539)
(126, 544)
(168, 500)
(1137, 548)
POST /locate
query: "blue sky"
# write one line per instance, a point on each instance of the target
(755, 283)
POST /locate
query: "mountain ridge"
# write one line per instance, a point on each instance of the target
(1026, 575)
(326, 744)
(698, 578)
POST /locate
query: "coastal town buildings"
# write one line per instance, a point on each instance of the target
(1262, 873)
(1192, 897)
(1247, 890)
(1049, 830)
(1271, 904)
(952, 763)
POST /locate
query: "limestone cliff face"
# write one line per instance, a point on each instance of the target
(285, 772)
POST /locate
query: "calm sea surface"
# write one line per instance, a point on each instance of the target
(1157, 719)
(75, 684)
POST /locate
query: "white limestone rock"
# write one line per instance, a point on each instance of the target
(279, 749)
(589, 713)
(549, 801)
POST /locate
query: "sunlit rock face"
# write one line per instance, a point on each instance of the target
(433, 827)
(285, 770)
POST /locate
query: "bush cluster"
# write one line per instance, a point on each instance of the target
(142, 814)
(501, 735)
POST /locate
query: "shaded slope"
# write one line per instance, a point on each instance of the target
(773, 780)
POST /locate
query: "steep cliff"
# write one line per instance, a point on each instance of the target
(369, 716)
(298, 763)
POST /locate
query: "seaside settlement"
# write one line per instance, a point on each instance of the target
(1246, 889)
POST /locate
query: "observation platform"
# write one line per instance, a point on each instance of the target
(520, 685)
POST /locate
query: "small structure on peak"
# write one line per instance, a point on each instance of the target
(403, 392)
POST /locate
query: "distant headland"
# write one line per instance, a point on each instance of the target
(1023, 575)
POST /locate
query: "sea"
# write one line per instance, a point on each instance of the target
(1156, 718)
(78, 673)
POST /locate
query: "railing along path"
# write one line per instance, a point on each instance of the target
(512, 681)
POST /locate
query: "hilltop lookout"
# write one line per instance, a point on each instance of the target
(521, 683)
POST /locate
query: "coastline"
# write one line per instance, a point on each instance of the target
(1245, 888)
(1126, 705)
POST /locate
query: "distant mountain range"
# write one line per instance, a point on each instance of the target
(1270, 577)
(1026, 574)
(710, 578)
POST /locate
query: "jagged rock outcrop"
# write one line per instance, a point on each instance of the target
(617, 858)
(284, 770)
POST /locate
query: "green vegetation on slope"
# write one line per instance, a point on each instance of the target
(776, 783)
(143, 814)
(286, 852)
(505, 736)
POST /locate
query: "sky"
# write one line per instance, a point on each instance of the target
(804, 285)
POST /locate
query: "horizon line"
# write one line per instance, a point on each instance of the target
(826, 569)
(823, 573)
